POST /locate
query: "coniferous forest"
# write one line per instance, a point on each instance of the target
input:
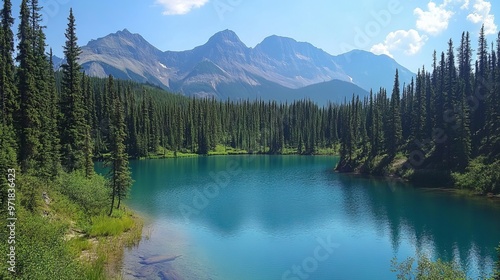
(445, 121)
(444, 126)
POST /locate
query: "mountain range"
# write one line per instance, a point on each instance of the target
(278, 68)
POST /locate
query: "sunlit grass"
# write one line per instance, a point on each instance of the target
(221, 150)
(110, 226)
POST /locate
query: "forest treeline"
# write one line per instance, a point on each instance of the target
(446, 120)
(442, 127)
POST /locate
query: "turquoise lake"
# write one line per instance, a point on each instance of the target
(293, 217)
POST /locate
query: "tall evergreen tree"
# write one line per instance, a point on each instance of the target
(8, 91)
(73, 123)
(51, 118)
(481, 84)
(8, 98)
(395, 129)
(120, 179)
(30, 123)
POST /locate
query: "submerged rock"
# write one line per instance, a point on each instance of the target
(158, 259)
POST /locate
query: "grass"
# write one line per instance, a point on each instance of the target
(104, 225)
(221, 150)
(166, 153)
(326, 151)
(78, 245)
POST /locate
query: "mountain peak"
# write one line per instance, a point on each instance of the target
(125, 30)
(226, 36)
(276, 38)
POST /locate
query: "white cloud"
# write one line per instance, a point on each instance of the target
(435, 19)
(180, 7)
(381, 49)
(481, 14)
(410, 42)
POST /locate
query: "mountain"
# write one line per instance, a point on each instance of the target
(373, 71)
(278, 68)
(57, 61)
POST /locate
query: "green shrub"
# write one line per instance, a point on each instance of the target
(89, 193)
(480, 176)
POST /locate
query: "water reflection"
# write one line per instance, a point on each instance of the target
(452, 227)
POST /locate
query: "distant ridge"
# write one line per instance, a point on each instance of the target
(278, 68)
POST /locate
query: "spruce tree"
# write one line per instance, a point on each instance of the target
(8, 90)
(29, 119)
(120, 178)
(73, 123)
(8, 100)
(481, 84)
(395, 129)
(51, 132)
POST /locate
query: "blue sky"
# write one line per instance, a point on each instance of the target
(408, 30)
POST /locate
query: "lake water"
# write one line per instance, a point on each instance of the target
(293, 217)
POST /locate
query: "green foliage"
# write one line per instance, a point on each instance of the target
(77, 245)
(111, 226)
(480, 176)
(426, 269)
(40, 250)
(31, 188)
(96, 271)
(120, 179)
(91, 194)
(7, 159)
(73, 123)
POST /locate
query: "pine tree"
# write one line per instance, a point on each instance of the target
(495, 118)
(73, 124)
(8, 90)
(120, 178)
(132, 142)
(8, 99)
(395, 129)
(478, 108)
(463, 141)
(30, 123)
(53, 146)
(145, 126)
